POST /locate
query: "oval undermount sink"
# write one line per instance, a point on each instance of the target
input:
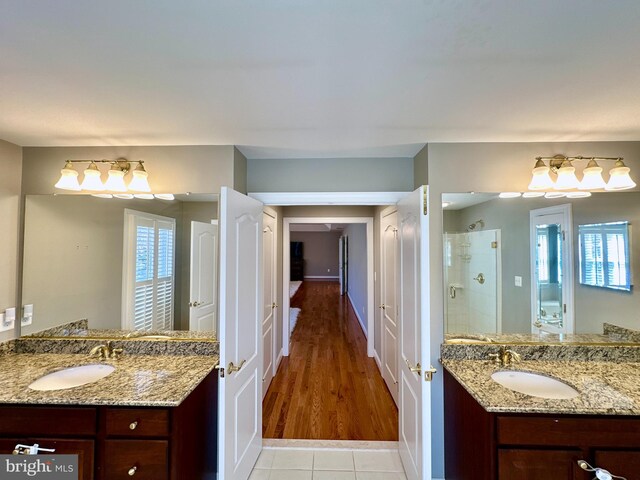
(535, 384)
(72, 377)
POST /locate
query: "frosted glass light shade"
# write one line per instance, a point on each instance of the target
(533, 194)
(619, 177)
(509, 195)
(567, 179)
(592, 178)
(92, 179)
(164, 196)
(540, 179)
(555, 195)
(578, 194)
(102, 195)
(68, 178)
(144, 196)
(115, 182)
(139, 182)
(123, 196)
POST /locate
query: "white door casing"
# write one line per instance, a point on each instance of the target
(203, 286)
(269, 246)
(414, 346)
(388, 295)
(240, 409)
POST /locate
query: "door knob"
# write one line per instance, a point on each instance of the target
(274, 305)
(537, 324)
(479, 278)
(194, 304)
(417, 369)
(383, 306)
(235, 368)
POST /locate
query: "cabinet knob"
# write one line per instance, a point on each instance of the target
(133, 425)
(132, 471)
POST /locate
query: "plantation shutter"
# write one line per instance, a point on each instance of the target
(604, 255)
(149, 290)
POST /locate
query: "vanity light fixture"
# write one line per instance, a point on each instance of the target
(532, 194)
(566, 178)
(509, 194)
(115, 183)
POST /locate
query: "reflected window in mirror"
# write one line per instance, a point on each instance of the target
(605, 259)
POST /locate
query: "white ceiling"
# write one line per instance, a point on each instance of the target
(306, 78)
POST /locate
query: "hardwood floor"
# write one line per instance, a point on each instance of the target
(328, 388)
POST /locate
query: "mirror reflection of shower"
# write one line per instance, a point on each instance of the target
(473, 300)
(479, 224)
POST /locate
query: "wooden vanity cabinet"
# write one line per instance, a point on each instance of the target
(512, 446)
(113, 443)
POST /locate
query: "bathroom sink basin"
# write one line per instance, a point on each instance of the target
(535, 384)
(72, 377)
(469, 339)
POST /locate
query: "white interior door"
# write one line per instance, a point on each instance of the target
(202, 289)
(340, 265)
(240, 410)
(269, 304)
(414, 348)
(389, 306)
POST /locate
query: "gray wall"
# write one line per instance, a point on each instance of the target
(421, 167)
(357, 271)
(320, 253)
(239, 171)
(10, 180)
(330, 175)
(172, 169)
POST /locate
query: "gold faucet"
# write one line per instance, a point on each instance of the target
(105, 351)
(505, 357)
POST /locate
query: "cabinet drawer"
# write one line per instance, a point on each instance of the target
(140, 459)
(83, 448)
(52, 420)
(540, 465)
(568, 431)
(621, 463)
(137, 422)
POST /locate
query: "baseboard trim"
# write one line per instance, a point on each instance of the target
(378, 361)
(278, 360)
(364, 330)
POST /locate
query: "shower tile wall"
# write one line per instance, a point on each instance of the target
(475, 307)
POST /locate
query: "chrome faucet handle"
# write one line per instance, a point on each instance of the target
(515, 357)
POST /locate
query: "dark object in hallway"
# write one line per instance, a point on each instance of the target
(296, 272)
(328, 388)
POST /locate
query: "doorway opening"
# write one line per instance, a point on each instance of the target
(328, 385)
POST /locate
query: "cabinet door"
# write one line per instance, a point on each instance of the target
(540, 465)
(83, 448)
(146, 459)
(621, 463)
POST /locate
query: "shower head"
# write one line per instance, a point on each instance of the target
(476, 224)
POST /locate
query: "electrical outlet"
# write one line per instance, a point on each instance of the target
(518, 281)
(9, 319)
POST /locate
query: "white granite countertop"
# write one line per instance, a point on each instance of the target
(138, 380)
(606, 388)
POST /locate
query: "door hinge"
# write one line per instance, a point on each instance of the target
(424, 199)
(220, 369)
(563, 236)
(564, 308)
(494, 244)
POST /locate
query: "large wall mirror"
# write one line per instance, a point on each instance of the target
(121, 264)
(532, 265)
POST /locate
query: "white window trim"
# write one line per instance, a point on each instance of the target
(128, 268)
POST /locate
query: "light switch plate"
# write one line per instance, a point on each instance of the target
(27, 315)
(518, 281)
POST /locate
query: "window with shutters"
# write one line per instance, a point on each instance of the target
(149, 264)
(605, 255)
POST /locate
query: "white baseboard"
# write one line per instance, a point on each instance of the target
(378, 361)
(279, 359)
(364, 329)
(320, 277)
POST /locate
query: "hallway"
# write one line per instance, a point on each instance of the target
(328, 388)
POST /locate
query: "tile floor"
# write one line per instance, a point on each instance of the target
(328, 464)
